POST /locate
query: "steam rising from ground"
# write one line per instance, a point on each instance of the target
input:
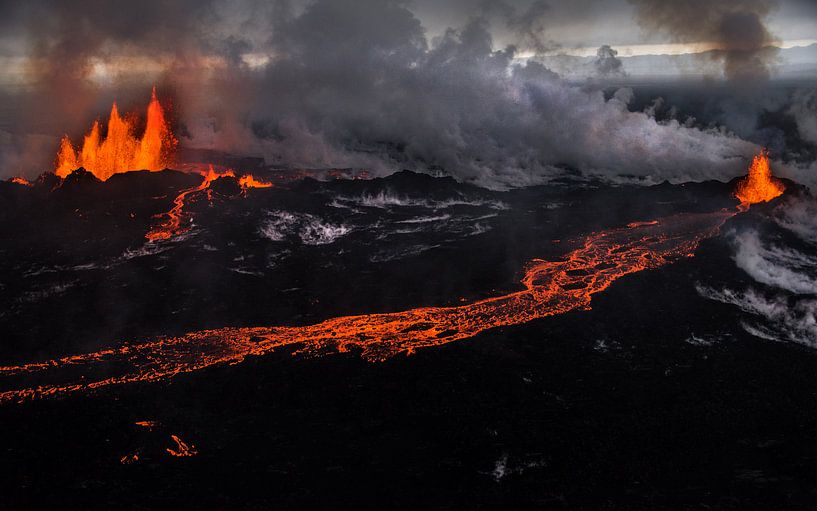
(783, 307)
(311, 230)
(774, 265)
(781, 320)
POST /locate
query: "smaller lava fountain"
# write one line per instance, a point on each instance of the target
(120, 150)
(759, 185)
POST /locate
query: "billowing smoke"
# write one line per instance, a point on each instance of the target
(607, 62)
(458, 105)
(774, 318)
(736, 28)
(804, 110)
(775, 266)
(529, 26)
(355, 83)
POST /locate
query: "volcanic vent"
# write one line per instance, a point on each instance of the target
(759, 185)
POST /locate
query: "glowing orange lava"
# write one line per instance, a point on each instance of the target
(759, 185)
(550, 288)
(248, 181)
(182, 449)
(21, 181)
(120, 150)
(129, 459)
(174, 224)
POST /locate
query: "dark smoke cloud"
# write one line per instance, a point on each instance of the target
(140, 44)
(736, 27)
(358, 83)
(350, 95)
(528, 26)
(607, 62)
(66, 39)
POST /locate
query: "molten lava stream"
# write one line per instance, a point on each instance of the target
(550, 288)
(172, 226)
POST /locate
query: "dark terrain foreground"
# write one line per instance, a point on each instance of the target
(656, 398)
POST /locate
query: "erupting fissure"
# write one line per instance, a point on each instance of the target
(759, 185)
(550, 288)
(120, 150)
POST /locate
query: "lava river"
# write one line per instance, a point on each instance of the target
(549, 288)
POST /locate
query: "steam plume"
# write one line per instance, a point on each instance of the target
(357, 83)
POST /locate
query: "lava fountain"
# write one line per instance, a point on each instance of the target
(120, 150)
(759, 185)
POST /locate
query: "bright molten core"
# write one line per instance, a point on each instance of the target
(759, 185)
(120, 150)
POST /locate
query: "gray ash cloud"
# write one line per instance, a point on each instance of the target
(359, 84)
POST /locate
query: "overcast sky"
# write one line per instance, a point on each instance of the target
(384, 85)
(580, 23)
(565, 24)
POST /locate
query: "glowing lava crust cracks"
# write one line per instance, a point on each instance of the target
(759, 185)
(120, 150)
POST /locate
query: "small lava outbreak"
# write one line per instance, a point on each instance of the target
(120, 150)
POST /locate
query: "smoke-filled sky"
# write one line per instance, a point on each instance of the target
(499, 93)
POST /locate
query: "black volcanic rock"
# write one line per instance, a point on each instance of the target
(47, 181)
(226, 186)
(80, 178)
(146, 183)
(653, 398)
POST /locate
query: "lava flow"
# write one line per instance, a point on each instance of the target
(759, 185)
(172, 226)
(182, 449)
(174, 222)
(550, 288)
(21, 181)
(249, 181)
(120, 150)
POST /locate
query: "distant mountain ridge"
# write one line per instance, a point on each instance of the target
(788, 63)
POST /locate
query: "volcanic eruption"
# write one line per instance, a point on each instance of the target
(550, 288)
(120, 150)
(461, 254)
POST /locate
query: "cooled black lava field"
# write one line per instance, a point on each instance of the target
(675, 389)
